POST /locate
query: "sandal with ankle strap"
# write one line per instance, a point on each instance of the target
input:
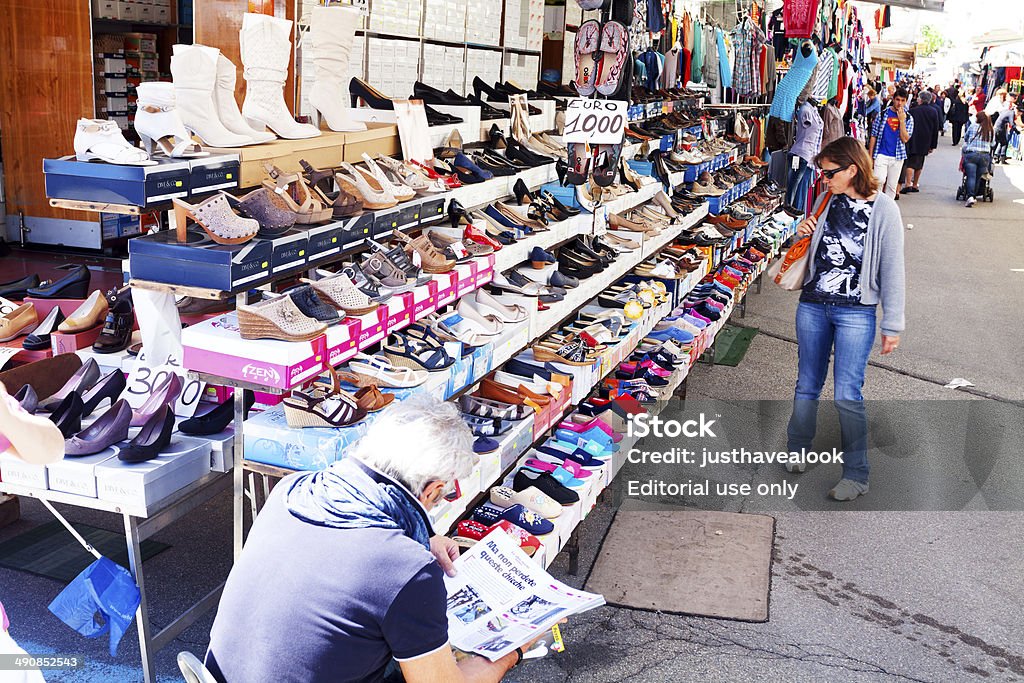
(416, 354)
(321, 409)
(381, 371)
(291, 190)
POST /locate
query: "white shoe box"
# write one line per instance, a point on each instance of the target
(184, 461)
(469, 129)
(78, 475)
(14, 470)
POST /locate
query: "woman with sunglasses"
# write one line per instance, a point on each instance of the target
(856, 264)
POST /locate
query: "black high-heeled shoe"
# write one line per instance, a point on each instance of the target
(18, 289)
(74, 285)
(480, 87)
(487, 112)
(553, 201)
(518, 152)
(154, 437)
(497, 137)
(110, 386)
(507, 90)
(561, 169)
(360, 89)
(68, 415)
(521, 191)
(431, 95)
(218, 419)
(457, 213)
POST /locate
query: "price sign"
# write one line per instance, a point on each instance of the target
(144, 381)
(598, 122)
(7, 306)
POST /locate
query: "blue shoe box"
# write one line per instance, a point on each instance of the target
(566, 195)
(386, 221)
(357, 229)
(159, 257)
(289, 251)
(642, 167)
(460, 374)
(209, 174)
(269, 440)
(98, 182)
(432, 209)
(325, 241)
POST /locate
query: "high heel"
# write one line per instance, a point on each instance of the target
(68, 415)
(111, 386)
(84, 379)
(363, 185)
(401, 193)
(74, 285)
(360, 89)
(218, 419)
(292, 189)
(159, 125)
(154, 437)
(457, 214)
(215, 217)
(165, 394)
(521, 192)
(110, 428)
(343, 204)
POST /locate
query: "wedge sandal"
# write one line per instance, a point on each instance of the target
(381, 371)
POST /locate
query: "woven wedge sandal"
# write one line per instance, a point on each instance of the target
(381, 371)
(339, 291)
(278, 318)
(416, 354)
(306, 409)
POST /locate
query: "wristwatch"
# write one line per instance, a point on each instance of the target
(519, 657)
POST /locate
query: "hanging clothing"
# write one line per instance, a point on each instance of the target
(809, 131)
(832, 124)
(710, 57)
(725, 70)
(697, 57)
(743, 69)
(777, 33)
(823, 75)
(799, 17)
(789, 88)
(671, 72)
(655, 16)
(652, 69)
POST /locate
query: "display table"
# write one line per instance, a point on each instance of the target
(140, 523)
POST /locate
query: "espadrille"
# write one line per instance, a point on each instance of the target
(417, 354)
(319, 409)
(277, 318)
(339, 291)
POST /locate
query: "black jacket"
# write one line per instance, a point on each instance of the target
(925, 137)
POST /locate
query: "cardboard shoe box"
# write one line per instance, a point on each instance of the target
(159, 257)
(184, 461)
(67, 178)
(78, 475)
(215, 347)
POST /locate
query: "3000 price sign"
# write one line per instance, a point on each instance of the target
(597, 122)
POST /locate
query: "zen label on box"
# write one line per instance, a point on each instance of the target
(597, 122)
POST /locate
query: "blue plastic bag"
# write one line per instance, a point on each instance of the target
(102, 598)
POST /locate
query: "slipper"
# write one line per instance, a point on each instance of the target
(579, 163)
(587, 40)
(614, 52)
(531, 498)
(517, 515)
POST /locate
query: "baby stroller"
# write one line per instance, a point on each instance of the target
(984, 189)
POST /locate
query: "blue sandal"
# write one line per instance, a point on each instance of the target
(418, 354)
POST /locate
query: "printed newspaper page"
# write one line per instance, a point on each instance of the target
(502, 599)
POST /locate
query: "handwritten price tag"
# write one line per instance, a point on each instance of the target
(598, 122)
(7, 306)
(144, 381)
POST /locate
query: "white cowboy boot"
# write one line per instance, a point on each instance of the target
(266, 48)
(227, 106)
(194, 69)
(332, 32)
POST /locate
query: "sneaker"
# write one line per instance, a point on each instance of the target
(971, 201)
(848, 489)
(795, 467)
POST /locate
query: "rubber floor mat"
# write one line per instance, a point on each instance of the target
(711, 564)
(50, 550)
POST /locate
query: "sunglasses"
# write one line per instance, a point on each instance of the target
(831, 173)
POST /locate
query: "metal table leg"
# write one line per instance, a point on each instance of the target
(758, 282)
(238, 474)
(131, 530)
(572, 546)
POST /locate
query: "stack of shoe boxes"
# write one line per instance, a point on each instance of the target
(444, 67)
(516, 16)
(396, 16)
(395, 65)
(142, 63)
(534, 24)
(110, 81)
(484, 24)
(445, 20)
(520, 68)
(483, 63)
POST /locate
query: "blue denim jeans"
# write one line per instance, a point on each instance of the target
(975, 164)
(851, 331)
(799, 182)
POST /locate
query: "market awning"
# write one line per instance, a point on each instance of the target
(1011, 54)
(926, 5)
(901, 55)
(998, 36)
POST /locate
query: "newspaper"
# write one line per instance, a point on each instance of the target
(501, 599)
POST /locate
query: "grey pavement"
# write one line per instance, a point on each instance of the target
(856, 596)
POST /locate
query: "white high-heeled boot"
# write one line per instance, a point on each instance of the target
(332, 32)
(158, 124)
(227, 106)
(266, 49)
(194, 69)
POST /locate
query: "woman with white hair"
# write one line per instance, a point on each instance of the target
(922, 142)
(340, 574)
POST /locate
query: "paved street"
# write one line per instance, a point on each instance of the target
(855, 596)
